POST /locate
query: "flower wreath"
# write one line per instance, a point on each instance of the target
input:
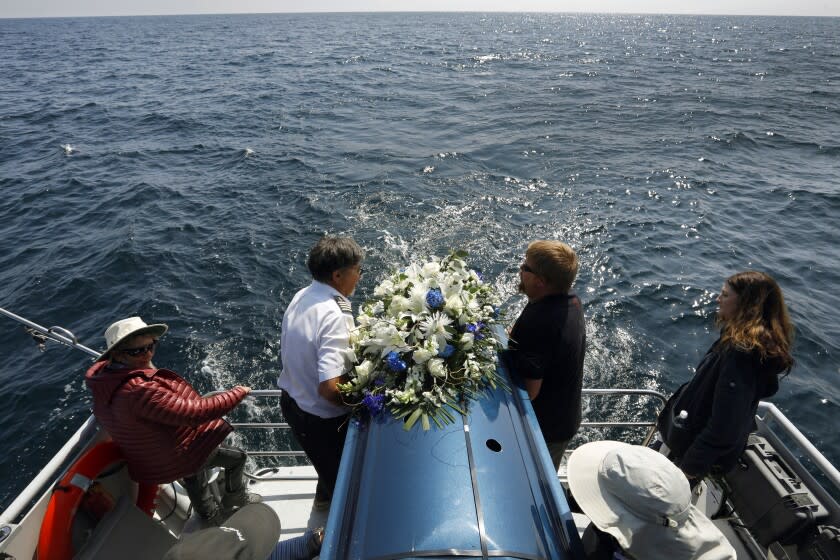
(424, 344)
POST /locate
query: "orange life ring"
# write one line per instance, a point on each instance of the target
(55, 541)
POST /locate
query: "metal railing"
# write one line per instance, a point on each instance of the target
(42, 334)
(269, 473)
(651, 425)
(768, 414)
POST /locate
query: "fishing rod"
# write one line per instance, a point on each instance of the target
(55, 334)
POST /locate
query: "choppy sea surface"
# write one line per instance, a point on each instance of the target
(180, 168)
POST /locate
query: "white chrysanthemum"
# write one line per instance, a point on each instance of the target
(435, 326)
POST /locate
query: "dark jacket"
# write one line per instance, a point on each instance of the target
(721, 401)
(165, 429)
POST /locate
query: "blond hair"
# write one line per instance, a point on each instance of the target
(555, 262)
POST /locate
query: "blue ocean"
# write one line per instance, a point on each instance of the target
(180, 168)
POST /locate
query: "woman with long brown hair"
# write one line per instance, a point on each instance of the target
(742, 367)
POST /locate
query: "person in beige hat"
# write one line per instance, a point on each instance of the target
(639, 503)
(165, 429)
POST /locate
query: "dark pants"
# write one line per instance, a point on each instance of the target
(321, 438)
(556, 449)
(197, 486)
(598, 545)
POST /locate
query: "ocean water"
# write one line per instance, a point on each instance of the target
(180, 168)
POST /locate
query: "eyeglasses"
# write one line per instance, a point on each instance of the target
(138, 351)
(525, 268)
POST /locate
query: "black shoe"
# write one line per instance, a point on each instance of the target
(316, 539)
(232, 502)
(215, 519)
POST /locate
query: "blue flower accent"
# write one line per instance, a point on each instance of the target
(394, 363)
(374, 403)
(475, 329)
(434, 298)
(447, 351)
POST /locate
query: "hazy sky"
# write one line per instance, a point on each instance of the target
(64, 8)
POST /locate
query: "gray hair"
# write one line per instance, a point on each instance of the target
(331, 254)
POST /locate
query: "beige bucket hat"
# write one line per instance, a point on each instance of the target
(643, 500)
(126, 328)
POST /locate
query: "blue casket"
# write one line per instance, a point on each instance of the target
(481, 487)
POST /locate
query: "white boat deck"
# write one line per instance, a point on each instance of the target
(292, 497)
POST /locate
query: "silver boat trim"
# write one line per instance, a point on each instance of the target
(56, 334)
(35, 489)
(768, 413)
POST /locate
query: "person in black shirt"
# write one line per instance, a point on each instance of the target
(548, 341)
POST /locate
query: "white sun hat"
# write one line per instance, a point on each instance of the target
(125, 328)
(643, 500)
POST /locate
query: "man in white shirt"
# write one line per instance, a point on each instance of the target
(314, 345)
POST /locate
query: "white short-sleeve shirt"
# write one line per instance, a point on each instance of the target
(314, 345)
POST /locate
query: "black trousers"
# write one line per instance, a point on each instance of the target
(232, 459)
(321, 438)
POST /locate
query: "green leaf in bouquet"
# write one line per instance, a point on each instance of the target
(401, 413)
(454, 407)
(412, 419)
(425, 420)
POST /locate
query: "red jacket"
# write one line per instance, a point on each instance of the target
(165, 429)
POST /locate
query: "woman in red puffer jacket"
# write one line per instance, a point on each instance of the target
(165, 429)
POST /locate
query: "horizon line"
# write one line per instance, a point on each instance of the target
(371, 12)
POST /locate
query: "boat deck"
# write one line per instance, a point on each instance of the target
(291, 493)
